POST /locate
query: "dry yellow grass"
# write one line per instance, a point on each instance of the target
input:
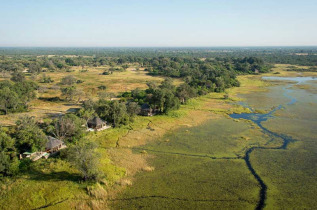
(282, 69)
(115, 83)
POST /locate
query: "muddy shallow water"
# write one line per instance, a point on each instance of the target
(233, 163)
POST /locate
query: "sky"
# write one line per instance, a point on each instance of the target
(157, 23)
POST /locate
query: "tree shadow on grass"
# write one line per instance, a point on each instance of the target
(39, 175)
(72, 110)
(51, 99)
(53, 115)
(71, 104)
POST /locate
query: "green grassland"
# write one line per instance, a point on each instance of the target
(190, 171)
(143, 171)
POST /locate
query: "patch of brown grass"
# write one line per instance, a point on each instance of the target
(125, 182)
(148, 169)
(97, 191)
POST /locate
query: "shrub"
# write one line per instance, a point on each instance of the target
(68, 80)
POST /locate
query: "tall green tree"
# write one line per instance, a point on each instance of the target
(9, 163)
(133, 109)
(35, 68)
(220, 84)
(29, 136)
(8, 99)
(68, 80)
(86, 114)
(16, 96)
(69, 93)
(84, 156)
(18, 76)
(165, 100)
(113, 111)
(118, 113)
(26, 91)
(185, 92)
(68, 127)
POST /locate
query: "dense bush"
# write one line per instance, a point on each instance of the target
(14, 97)
(29, 137)
(9, 164)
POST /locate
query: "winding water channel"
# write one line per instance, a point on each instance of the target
(258, 118)
(180, 182)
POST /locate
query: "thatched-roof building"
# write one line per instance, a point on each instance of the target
(97, 124)
(54, 145)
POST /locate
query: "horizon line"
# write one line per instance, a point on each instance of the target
(222, 46)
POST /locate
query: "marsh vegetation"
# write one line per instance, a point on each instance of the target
(220, 137)
(200, 167)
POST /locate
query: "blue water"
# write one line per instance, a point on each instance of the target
(258, 118)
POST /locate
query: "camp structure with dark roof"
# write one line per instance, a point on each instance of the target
(53, 145)
(97, 124)
(146, 110)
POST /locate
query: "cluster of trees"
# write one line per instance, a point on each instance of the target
(31, 136)
(34, 58)
(165, 97)
(15, 96)
(81, 152)
(25, 136)
(162, 98)
(69, 80)
(9, 163)
(68, 127)
(210, 68)
(115, 112)
(200, 77)
(171, 63)
(69, 90)
(37, 64)
(46, 79)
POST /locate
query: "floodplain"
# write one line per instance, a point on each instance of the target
(237, 162)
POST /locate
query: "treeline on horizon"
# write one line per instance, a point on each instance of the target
(280, 55)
